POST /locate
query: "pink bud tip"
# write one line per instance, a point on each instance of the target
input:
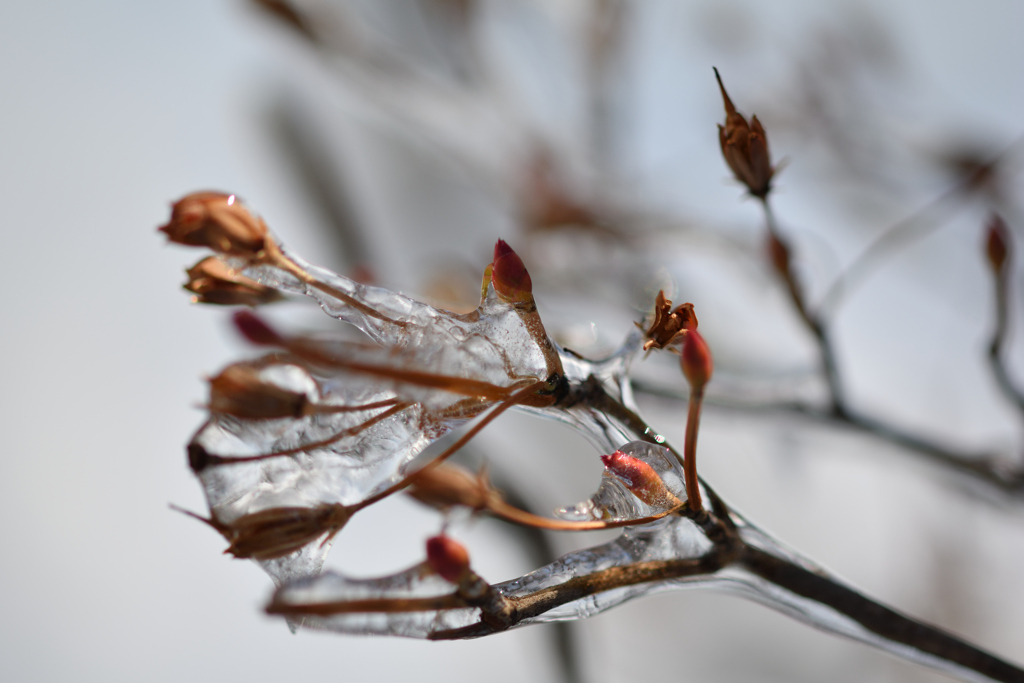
(696, 360)
(509, 276)
(641, 479)
(447, 557)
(255, 330)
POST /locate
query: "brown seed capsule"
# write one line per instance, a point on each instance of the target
(276, 532)
(668, 325)
(239, 391)
(215, 282)
(745, 148)
(218, 221)
(448, 557)
(448, 485)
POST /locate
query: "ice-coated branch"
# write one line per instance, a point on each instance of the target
(303, 438)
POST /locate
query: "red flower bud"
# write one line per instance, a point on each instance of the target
(447, 557)
(997, 244)
(696, 361)
(255, 330)
(641, 479)
(509, 276)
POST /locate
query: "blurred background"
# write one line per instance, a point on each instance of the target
(394, 142)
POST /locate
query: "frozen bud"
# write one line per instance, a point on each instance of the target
(255, 330)
(509, 276)
(696, 361)
(218, 221)
(997, 243)
(447, 485)
(215, 282)
(668, 325)
(239, 391)
(276, 532)
(745, 148)
(641, 479)
(448, 558)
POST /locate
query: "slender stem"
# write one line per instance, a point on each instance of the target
(516, 516)
(690, 451)
(995, 349)
(811, 321)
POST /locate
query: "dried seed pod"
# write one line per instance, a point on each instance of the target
(215, 282)
(745, 148)
(448, 557)
(276, 532)
(641, 479)
(447, 485)
(238, 390)
(668, 325)
(696, 361)
(509, 276)
(997, 243)
(218, 221)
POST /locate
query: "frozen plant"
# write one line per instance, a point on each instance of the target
(301, 439)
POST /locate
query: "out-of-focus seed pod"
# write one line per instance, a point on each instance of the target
(215, 282)
(255, 330)
(447, 485)
(239, 391)
(997, 243)
(509, 276)
(276, 532)
(218, 221)
(778, 252)
(448, 558)
(745, 148)
(641, 479)
(696, 361)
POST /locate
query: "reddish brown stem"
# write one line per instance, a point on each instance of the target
(690, 452)
(517, 516)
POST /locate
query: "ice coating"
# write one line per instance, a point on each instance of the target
(359, 420)
(614, 499)
(418, 582)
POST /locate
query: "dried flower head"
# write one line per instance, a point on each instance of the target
(668, 326)
(997, 243)
(696, 361)
(448, 558)
(641, 479)
(238, 390)
(276, 532)
(213, 281)
(745, 148)
(509, 276)
(448, 485)
(218, 221)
